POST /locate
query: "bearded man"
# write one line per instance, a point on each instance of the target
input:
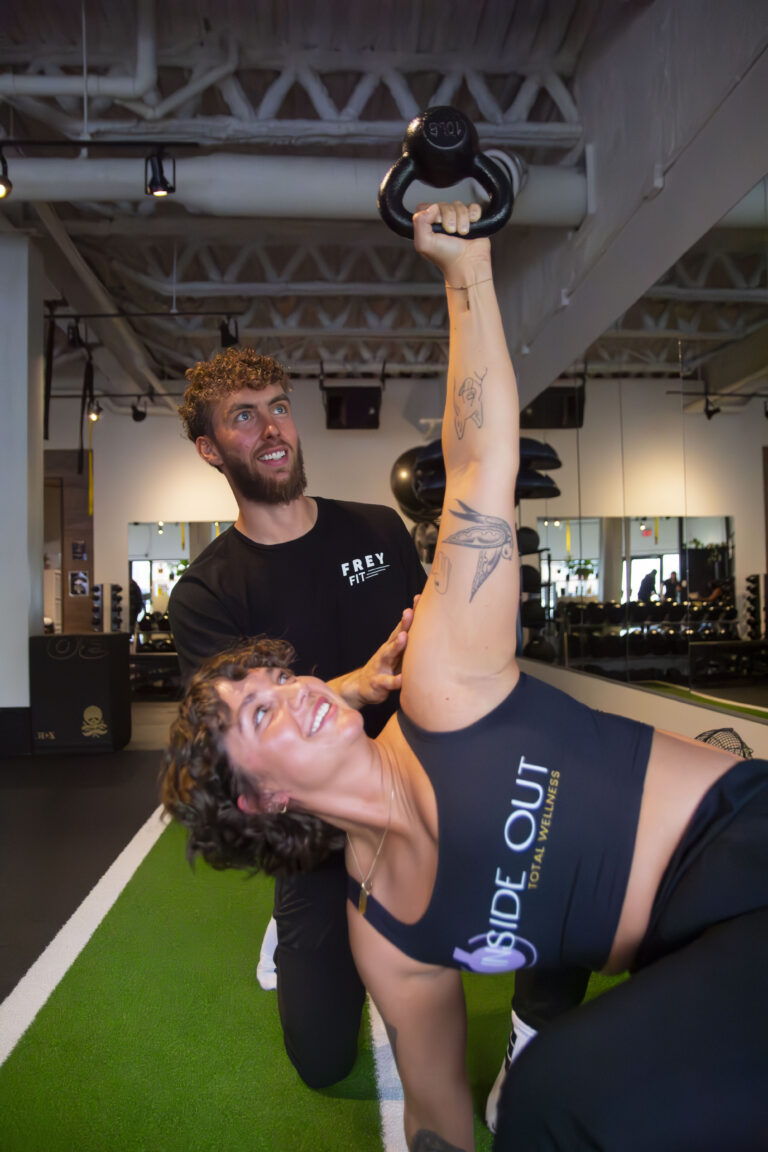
(332, 577)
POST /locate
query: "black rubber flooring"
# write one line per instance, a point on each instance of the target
(63, 820)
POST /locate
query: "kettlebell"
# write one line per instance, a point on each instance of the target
(440, 149)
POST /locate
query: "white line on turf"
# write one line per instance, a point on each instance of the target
(20, 1007)
(389, 1086)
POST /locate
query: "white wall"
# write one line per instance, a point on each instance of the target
(148, 471)
(640, 456)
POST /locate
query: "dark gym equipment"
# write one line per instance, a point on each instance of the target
(429, 476)
(532, 614)
(80, 692)
(530, 578)
(425, 538)
(97, 607)
(533, 486)
(401, 480)
(755, 606)
(115, 608)
(615, 613)
(538, 455)
(538, 648)
(441, 148)
(527, 541)
(418, 479)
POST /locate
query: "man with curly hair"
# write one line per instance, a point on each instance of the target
(330, 578)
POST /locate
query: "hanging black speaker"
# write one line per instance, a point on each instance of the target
(350, 406)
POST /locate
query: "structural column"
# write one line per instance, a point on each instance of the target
(21, 478)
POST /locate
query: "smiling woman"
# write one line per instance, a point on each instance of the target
(495, 823)
(281, 730)
(203, 788)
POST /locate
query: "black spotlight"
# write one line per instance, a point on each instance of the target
(6, 187)
(228, 332)
(137, 412)
(155, 180)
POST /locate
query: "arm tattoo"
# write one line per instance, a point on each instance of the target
(441, 571)
(491, 535)
(468, 402)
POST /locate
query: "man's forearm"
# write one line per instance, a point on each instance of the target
(348, 687)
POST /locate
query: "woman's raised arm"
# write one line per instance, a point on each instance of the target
(460, 660)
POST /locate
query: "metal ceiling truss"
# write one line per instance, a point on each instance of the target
(707, 300)
(195, 270)
(319, 99)
(351, 302)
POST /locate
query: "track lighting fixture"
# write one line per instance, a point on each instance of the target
(139, 409)
(6, 187)
(228, 332)
(94, 410)
(709, 409)
(155, 180)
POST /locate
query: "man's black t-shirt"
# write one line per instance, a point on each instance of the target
(335, 593)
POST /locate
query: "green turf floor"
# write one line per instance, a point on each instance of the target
(159, 1039)
(691, 696)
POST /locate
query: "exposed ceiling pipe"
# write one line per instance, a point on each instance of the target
(226, 184)
(132, 87)
(195, 86)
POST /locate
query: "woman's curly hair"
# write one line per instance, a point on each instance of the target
(200, 785)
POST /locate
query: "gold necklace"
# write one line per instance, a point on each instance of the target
(366, 887)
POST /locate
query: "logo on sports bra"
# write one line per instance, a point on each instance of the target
(524, 834)
(364, 568)
(489, 958)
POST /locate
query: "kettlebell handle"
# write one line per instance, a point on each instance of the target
(440, 149)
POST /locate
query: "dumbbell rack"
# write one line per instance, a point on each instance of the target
(756, 606)
(155, 670)
(639, 641)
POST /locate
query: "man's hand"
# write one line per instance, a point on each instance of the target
(381, 675)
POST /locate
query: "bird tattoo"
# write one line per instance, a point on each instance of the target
(492, 535)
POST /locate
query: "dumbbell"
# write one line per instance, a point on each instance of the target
(440, 149)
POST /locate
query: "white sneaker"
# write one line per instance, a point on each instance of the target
(520, 1035)
(492, 1103)
(266, 973)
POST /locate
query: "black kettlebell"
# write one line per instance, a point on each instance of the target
(440, 149)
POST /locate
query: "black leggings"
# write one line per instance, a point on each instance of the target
(676, 1057)
(319, 992)
(543, 994)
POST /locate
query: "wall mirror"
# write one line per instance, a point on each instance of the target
(664, 477)
(159, 551)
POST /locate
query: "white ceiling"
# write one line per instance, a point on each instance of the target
(281, 119)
